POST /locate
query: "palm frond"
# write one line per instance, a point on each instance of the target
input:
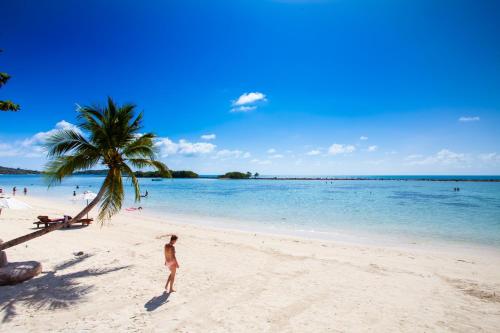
(141, 147)
(113, 195)
(140, 163)
(63, 166)
(65, 141)
(135, 183)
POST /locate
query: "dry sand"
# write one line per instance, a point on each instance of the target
(232, 281)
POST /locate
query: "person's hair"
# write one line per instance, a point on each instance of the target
(173, 238)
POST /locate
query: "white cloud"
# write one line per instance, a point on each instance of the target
(41, 137)
(340, 149)
(249, 98)
(271, 151)
(227, 154)
(469, 119)
(261, 162)
(363, 138)
(8, 150)
(490, 157)
(183, 147)
(277, 156)
(243, 109)
(413, 157)
(444, 156)
(208, 137)
(314, 152)
(372, 148)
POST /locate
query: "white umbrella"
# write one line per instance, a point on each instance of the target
(87, 195)
(11, 203)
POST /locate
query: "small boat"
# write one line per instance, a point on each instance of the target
(157, 179)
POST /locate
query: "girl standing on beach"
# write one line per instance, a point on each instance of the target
(171, 262)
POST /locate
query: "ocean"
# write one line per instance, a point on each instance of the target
(405, 210)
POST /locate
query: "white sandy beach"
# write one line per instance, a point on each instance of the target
(232, 281)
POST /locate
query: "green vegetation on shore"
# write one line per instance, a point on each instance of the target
(168, 174)
(17, 171)
(147, 174)
(236, 175)
(138, 174)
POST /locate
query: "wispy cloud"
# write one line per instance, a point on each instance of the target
(336, 149)
(261, 162)
(490, 157)
(208, 137)
(314, 152)
(8, 150)
(468, 119)
(232, 154)
(371, 149)
(413, 157)
(363, 138)
(271, 151)
(243, 109)
(444, 156)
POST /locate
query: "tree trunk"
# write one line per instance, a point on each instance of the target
(38, 233)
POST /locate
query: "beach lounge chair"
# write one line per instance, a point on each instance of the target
(46, 221)
(85, 221)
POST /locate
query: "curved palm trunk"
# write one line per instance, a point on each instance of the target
(38, 233)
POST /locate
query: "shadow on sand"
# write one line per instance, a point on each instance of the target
(157, 301)
(50, 291)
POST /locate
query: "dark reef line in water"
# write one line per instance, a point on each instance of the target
(385, 179)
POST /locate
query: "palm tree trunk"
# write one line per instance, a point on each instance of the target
(57, 226)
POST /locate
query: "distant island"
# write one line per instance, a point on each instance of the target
(248, 175)
(236, 175)
(146, 174)
(169, 174)
(17, 171)
(103, 172)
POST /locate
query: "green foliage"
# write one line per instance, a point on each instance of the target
(184, 174)
(7, 105)
(111, 139)
(17, 171)
(153, 174)
(146, 174)
(4, 77)
(235, 175)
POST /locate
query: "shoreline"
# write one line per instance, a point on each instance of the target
(342, 236)
(232, 280)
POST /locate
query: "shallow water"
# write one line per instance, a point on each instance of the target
(392, 209)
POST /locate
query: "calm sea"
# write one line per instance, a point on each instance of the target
(390, 210)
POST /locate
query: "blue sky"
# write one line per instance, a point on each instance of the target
(285, 87)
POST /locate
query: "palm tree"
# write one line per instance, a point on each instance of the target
(113, 140)
(7, 105)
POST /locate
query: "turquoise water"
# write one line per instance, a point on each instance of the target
(391, 209)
